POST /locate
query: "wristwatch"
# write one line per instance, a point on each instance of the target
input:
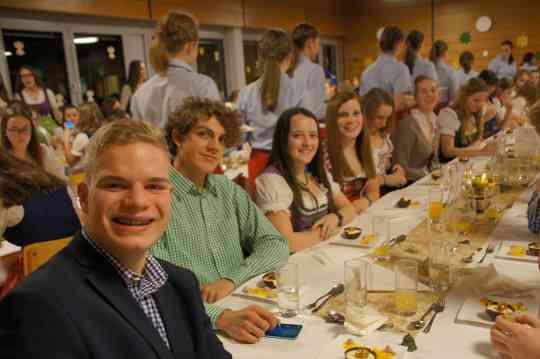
(340, 218)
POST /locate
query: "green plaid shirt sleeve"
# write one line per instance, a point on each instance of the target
(213, 311)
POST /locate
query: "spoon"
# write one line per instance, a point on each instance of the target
(469, 259)
(420, 323)
(335, 290)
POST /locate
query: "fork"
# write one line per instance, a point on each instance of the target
(438, 308)
(489, 249)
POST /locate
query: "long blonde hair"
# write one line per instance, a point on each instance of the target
(274, 47)
(340, 167)
(173, 32)
(472, 87)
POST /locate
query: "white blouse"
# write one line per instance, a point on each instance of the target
(274, 194)
(382, 156)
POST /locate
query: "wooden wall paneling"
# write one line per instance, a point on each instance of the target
(221, 12)
(285, 14)
(326, 15)
(510, 20)
(132, 9)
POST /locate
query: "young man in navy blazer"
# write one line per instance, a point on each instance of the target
(104, 295)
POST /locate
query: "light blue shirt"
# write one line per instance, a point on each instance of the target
(502, 68)
(162, 95)
(462, 77)
(264, 123)
(447, 81)
(387, 74)
(529, 67)
(308, 79)
(423, 67)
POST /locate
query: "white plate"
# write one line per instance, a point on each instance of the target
(342, 241)
(334, 350)
(502, 252)
(474, 313)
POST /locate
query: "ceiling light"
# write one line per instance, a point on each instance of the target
(85, 40)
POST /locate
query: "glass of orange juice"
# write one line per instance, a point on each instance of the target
(435, 205)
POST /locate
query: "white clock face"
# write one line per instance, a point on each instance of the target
(483, 24)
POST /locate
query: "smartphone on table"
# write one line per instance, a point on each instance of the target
(285, 331)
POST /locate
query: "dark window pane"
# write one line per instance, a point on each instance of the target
(250, 60)
(101, 64)
(44, 52)
(330, 59)
(211, 62)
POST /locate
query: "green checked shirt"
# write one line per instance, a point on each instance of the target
(219, 233)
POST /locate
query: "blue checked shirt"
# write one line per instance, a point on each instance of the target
(533, 213)
(141, 287)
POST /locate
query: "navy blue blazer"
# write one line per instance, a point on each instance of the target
(76, 306)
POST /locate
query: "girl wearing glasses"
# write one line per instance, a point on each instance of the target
(19, 138)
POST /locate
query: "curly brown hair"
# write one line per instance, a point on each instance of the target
(91, 118)
(195, 109)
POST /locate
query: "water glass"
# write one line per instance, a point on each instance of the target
(439, 264)
(357, 279)
(288, 290)
(380, 227)
(435, 205)
(406, 285)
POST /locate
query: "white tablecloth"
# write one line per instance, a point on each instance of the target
(322, 266)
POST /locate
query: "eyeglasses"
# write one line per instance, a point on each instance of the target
(16, 130)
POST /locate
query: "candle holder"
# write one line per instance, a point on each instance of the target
(482, 191)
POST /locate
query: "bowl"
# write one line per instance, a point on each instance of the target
(270, 280)
(352, 232)
(533, 248)
(360, 353)
(494, 309)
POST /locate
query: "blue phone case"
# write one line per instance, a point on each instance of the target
(69, 124)
(285, 331)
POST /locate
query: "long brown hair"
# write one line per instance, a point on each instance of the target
(300, 36)
(19, 180)
(371, 102)
(91, 118)
(472, 87)
(281, 160)
(20, 85)
(414, 42)
(18, 108)
(274, 47)
(340, 167)
(172, 33)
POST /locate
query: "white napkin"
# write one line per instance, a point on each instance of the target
(366, 322)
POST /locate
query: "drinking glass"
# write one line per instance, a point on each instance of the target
(439, 263)
(406, 285)
(288, 290)
(357, 278)
(380, 228)
(435, 206)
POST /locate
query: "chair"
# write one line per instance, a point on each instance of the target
(37, 254)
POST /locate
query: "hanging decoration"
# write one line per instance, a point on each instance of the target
(485, 53)
(90, 96)
(217, 56)
(368, 61)
(483, 24)
(465, 38)
(522, 41)
(112, 52)
(60, 99)
(19, 48)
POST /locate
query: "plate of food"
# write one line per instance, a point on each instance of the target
(355, 237)
(519, 250)
(404, 203)
(262, 288)
(483, 310)
(353, 347)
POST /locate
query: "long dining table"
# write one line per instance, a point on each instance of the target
(322, 266)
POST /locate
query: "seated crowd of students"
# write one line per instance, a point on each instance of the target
(303, 183)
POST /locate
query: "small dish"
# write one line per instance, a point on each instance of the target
(352, 232)
(533, 249)
(270, 280)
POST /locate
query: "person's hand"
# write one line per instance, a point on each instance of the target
(212, 292)
(491, 111)
(517, 340)
(361, 204)
(490, 149)
(397, 178)
(246, 325)
(327, 225)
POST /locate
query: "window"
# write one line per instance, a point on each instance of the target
(329, 53)
(101, 64)
(211, 62)
(250, 61)
(43, 52)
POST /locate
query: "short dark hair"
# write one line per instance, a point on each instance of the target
(302, 33)
(489, 77)
(390, 37)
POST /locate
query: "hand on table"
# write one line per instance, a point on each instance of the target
(212, 292)
(246, 325)
(517, 340)
(327, 225)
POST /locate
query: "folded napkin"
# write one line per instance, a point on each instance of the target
(365, 322)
